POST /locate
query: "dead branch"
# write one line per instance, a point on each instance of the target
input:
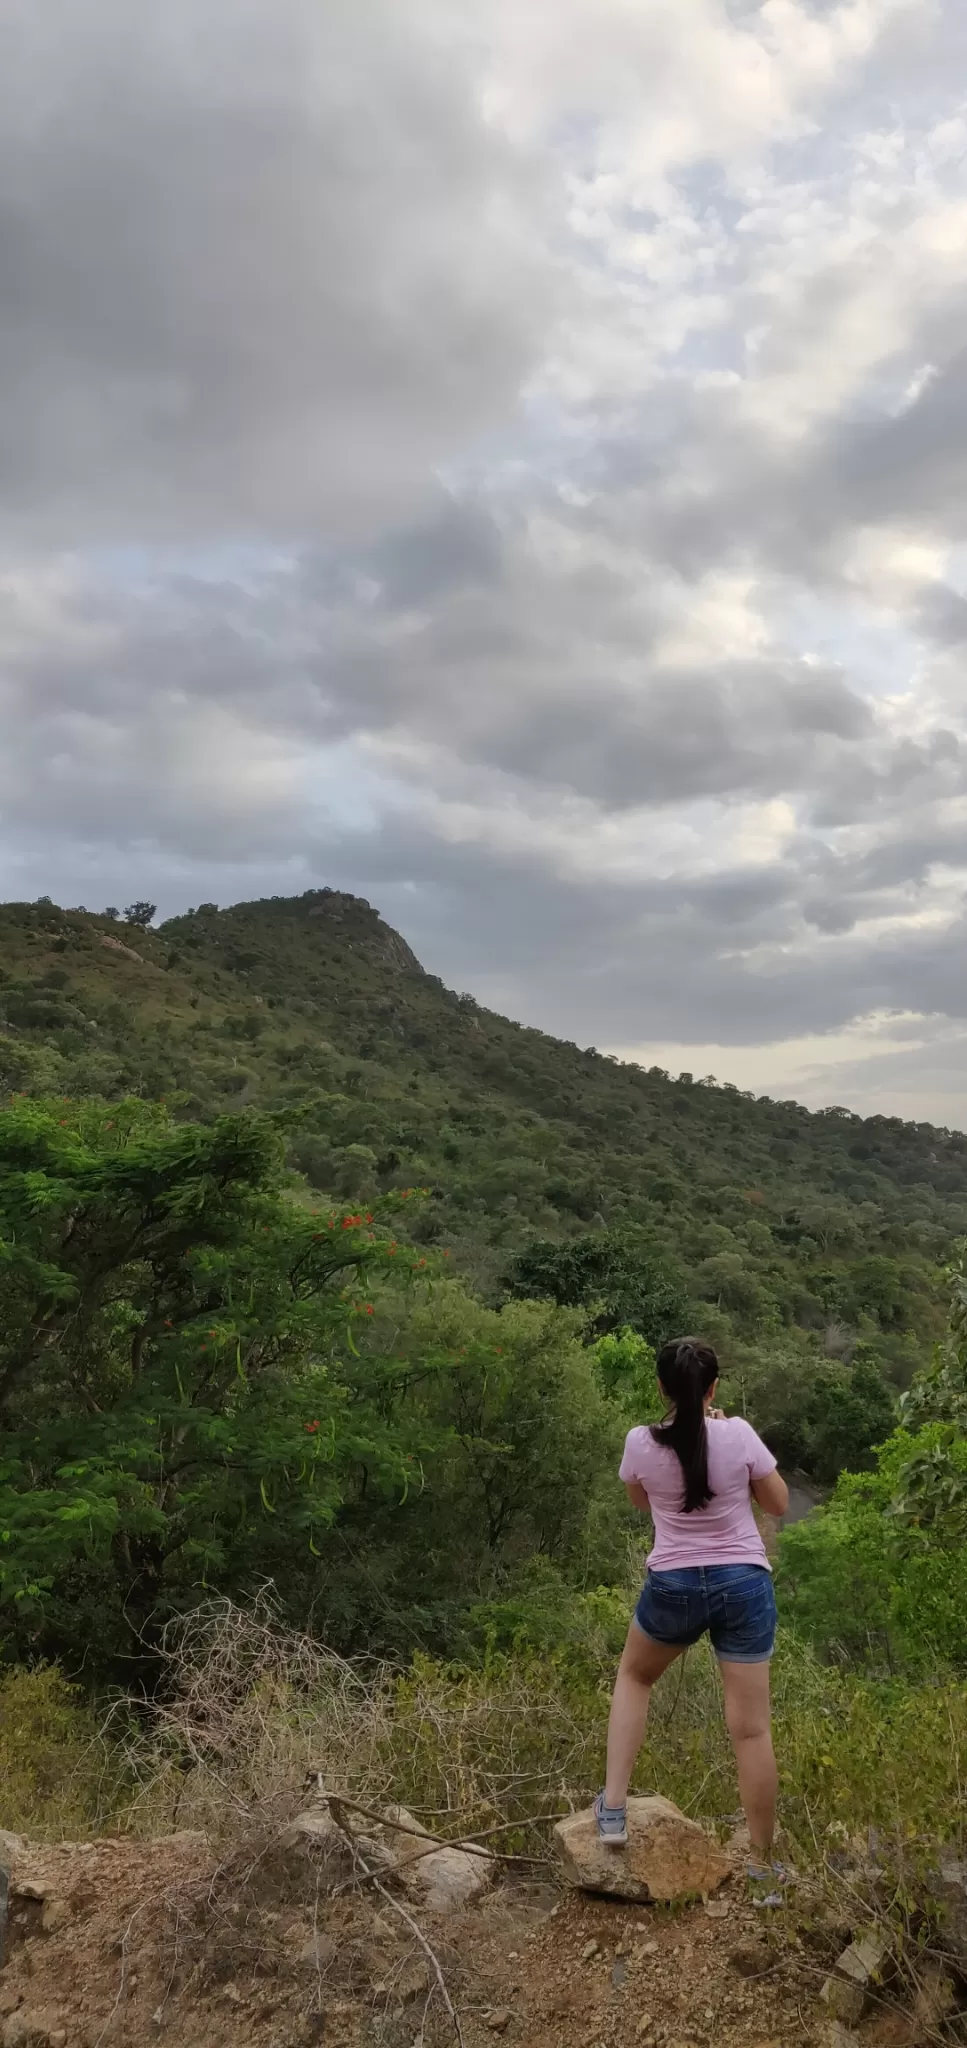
(342, 1822)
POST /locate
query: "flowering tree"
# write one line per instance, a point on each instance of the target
(181, 1398)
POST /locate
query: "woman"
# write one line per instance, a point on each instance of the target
(698, 1473)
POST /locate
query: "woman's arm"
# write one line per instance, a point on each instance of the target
(772, 1493)
(636, 1494)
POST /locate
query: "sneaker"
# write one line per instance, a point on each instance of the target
(767, 1882)
(612, 1823)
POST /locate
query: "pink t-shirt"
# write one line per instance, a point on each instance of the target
(724, 1531)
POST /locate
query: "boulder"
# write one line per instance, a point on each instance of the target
(667, 1857)
(313, 1852)
(334, 1852)
(441, 1879)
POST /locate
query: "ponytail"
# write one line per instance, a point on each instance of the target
(687, 1370)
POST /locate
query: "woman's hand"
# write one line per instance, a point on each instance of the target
(716, 1414)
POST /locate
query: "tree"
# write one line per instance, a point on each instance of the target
(627, 1372)
(614, 1276)
(176, 1369)
(112, 912)
(847, 1413)
(515, 1448)
(882, 1570)
(141, 913)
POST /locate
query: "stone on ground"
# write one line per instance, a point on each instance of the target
(861, 1967)
(336, 1852)
(441, 1879)
(667, 1857)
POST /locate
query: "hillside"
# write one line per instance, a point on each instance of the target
(823, 1231)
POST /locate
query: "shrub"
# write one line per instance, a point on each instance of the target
(56, 1776)
(519, 1737)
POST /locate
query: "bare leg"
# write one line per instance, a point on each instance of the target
(642, 1662)
(749, 1724)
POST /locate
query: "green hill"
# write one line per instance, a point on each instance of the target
(795, 1236)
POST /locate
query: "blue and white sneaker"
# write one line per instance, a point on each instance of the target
(612, 1823)
(767, 1882)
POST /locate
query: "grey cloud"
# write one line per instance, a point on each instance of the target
(942, 615)
(508, 666)
(261, 266)
(615, 963)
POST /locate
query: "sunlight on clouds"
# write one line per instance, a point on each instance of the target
(799, 1067)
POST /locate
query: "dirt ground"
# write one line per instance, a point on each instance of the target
(129, 1943)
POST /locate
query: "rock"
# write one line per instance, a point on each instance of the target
(56, 1914)
(318, 1953)
(667, 1857)
(118, 946)
(313, 1852)
(948, 1890)
(440, 1879)
(589, 1950)
(500, 2020)
(449, 1878)
(861, 1967)
(619, 1974)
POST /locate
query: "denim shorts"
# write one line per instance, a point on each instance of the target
(734, 1602)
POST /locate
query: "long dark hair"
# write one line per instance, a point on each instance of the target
(687, 1369)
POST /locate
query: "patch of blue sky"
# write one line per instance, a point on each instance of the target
(342, 783)
(879, 656)
(133, 566)
(705, 187)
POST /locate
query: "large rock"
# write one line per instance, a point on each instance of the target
(313, 1853)
(318, 1849)
(441, 1879)
(667, 1857)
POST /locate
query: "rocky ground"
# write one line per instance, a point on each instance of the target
(127, 1942)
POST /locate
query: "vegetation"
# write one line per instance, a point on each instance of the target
(809, 1248)
(313, 1274)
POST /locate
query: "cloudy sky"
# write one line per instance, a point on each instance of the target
(507, 458)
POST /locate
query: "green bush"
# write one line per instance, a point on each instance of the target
(56, 1777)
